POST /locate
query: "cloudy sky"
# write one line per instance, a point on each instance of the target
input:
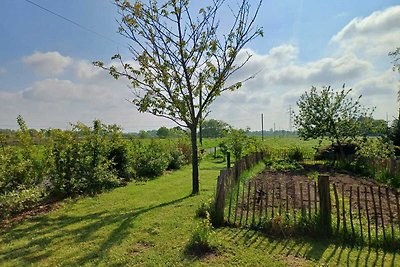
(46, 73)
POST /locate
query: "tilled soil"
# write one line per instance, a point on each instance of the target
(359, 195)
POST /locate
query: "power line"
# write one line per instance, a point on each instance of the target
(73, 22)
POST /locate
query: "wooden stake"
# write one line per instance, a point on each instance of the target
(390, 212)
(367, 211)
(254, 204)
(375, 213)
(381, 212)
(241, 212)
(344, 212)
(309, 200)
(261, 203)
(350, 211)
(337, 208)
(248, 203)
(359, 213)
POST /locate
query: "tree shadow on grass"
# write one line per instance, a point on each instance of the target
(51, 234)
(321, 251)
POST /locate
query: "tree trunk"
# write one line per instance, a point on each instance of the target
(195, 161)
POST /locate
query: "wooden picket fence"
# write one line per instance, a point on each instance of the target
(229, 178)
(361, 214)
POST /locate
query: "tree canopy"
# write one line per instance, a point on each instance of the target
(181, 62)
(214, 128)
(326, 113)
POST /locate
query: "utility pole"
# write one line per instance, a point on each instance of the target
(200, 127)
(290, 118)
(262, 126)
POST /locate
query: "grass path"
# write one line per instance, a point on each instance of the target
(149, 224)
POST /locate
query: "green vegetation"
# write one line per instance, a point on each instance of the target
(151, 224)
(326, 114)
(81, 161)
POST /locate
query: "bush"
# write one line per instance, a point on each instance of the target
(296, 154)
(150, 160)
(177, 160)
(121, 161)
(21, 165)
(80, 163)
(19, 200)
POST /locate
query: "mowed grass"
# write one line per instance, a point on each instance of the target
(150, 224)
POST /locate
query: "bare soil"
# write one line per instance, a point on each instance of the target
(288, 189)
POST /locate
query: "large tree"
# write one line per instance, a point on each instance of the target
(214, 128)
(181, 63)
(330, 114)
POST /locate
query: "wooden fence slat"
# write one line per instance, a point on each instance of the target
(350, 211)
(375, 212)
(337, 207)
(280, 199)
(287, 198)
(309, 200)
(248, 203)
(294, 202)
(242, 203)
(261, 203)
(344, 212)
(301, 201)
(273, 200)
(390, 212)
(367, 212)
(381, 212)
(398, 209)
(359, 213)
(315, 198)
(254, 203)
(230, 196)
(237, 202)
(266, 201)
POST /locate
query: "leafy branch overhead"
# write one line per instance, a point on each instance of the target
(178, 55)
(180, 62)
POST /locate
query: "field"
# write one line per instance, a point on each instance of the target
(150, 224)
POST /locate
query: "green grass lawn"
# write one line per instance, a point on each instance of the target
(150, 224)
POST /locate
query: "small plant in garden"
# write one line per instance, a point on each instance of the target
(203, 239)
(205, 208)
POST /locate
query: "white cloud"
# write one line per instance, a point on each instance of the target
(86, 70)
(374, 35)
(47, 64)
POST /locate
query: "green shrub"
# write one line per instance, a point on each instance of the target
(80, 163)
(150, 160)
(283, 165)
(19, 200)
(121, 161)
(184, 146)
(22, 165)
(176, 160)
(295, 154)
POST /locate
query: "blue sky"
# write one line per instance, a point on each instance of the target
(46, 76)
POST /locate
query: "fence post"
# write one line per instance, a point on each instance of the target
(228, 160)
(325, 205)
(220, 199)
